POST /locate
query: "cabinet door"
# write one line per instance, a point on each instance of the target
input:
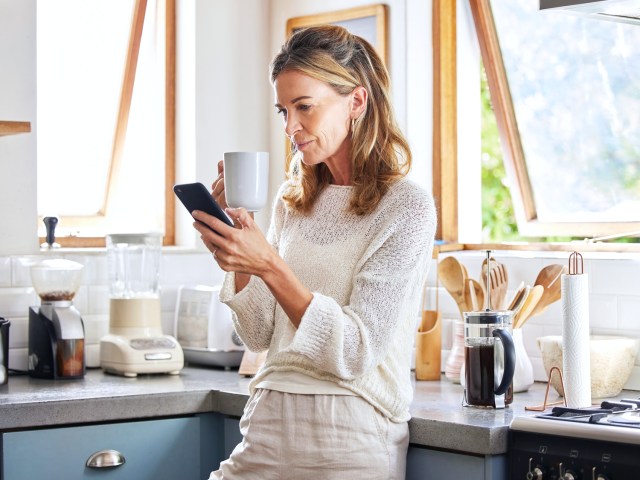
(424, 463)
(156, 449)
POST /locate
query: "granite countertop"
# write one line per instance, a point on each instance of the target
(438, 418)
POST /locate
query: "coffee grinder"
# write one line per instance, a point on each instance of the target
(135, 343)
(56, 330)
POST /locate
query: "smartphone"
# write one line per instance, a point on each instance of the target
(195, 196)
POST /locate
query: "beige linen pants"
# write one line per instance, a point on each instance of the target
(291, 437)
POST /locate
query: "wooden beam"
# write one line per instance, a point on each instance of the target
(445, 130)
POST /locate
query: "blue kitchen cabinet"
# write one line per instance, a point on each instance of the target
(172, 448)
(425, 463)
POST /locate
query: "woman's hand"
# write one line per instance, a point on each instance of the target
(217, 187)
(242, 249)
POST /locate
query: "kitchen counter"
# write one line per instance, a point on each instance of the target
(438, 419)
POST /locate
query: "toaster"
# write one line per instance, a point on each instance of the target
(204, 328)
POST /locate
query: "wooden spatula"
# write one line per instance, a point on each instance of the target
(549, 279)
(527, 307)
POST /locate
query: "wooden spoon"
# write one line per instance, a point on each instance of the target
(527, 307)
(474, 295)
(549, 279)
(452, 276)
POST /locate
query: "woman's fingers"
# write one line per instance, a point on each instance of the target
(217, 187)
(241, 218)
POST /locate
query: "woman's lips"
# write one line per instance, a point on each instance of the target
(303, 145)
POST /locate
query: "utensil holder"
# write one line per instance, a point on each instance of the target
(523, 375)
(455, 360)
(429, 346)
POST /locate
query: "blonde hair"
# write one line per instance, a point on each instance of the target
(380, 154)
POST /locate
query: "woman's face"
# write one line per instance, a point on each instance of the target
(316, 118)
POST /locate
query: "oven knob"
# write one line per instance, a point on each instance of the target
(567, 475)
(534, 474)
(599, 476)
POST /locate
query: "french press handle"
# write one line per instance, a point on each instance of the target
(509, 360)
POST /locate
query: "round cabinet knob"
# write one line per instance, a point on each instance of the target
(568, 476)
(105, 459)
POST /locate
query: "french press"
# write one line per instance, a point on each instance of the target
(489, 355)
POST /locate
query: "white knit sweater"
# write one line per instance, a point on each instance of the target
(366, 274)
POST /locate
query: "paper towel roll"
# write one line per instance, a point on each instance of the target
(576, 362)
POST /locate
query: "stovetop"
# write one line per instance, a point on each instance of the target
(617, 421)
(599, 443)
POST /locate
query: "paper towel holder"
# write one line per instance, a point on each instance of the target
(543, 407)
(576, 264)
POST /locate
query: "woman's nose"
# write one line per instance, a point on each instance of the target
(292, 125)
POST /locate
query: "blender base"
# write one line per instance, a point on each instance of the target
(131, 356)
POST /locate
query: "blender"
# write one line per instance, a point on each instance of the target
(135, 343)
(56, 330)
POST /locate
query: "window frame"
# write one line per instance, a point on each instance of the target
(445, 171)
(133, 49)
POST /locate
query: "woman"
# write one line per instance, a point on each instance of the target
(332, 293)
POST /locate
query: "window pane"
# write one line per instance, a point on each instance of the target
(82, 48)
(575, 85)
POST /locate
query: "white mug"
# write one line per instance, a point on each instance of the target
(246, 179)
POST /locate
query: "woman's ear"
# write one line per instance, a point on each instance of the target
(359, 97)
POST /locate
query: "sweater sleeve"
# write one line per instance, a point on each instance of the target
(351, 340)
(254, 306)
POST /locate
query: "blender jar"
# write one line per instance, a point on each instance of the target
(134, 264)
(134, 272)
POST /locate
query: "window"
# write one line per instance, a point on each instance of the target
(574, 88)
(565, 94)
(105, 118)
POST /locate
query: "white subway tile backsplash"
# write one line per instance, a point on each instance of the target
(19, 332)
(190, 268)
(629, 312)
(22, 270)
(615, 277)
(98, 299)
(96, 270)
(95, 327)
(614, 295)
(5, 272)
(18, 359)
(603, 311)
(15, 302)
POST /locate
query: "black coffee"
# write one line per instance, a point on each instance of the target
(480, 378)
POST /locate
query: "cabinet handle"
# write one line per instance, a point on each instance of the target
(105, 459)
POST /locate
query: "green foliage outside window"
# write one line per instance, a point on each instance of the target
(498, 218)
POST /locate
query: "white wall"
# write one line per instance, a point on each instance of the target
(18, 222)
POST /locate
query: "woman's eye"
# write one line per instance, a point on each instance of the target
(304, 107)
(281, 111)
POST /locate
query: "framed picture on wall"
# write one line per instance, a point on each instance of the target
(368, 22)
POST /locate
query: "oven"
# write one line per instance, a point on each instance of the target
(596, 443)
